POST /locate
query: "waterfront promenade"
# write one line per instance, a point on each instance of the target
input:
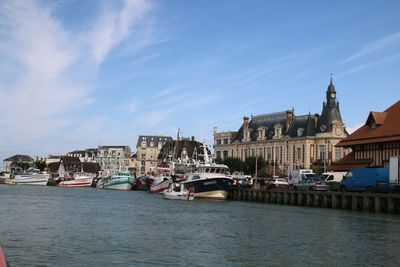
(366, 202)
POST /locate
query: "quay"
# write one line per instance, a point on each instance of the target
(366, 202)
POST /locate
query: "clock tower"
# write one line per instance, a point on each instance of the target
(330, 110)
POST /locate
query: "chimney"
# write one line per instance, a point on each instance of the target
(245, 122)
(289, 118)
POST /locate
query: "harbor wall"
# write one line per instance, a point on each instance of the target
(366, 202)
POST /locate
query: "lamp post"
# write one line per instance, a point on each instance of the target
(274, 153)
(325, 156)
(256, 173)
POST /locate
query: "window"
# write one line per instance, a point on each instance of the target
(269, 153)
(300, 132)
(218, 141)
(144, 144)
(322, 152)
(252, 152)
(218, 154)
(151, 143)
(226, 141)
(277, 154)
(298, 153)
(225, 154)
(338, 153)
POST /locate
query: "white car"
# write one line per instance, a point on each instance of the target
(277, 183)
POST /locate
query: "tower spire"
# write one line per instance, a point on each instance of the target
(331, 78)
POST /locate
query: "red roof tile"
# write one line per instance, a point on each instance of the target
(387, 128)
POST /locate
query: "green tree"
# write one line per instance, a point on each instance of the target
(40, 164)
(234, 164)
(250, 166)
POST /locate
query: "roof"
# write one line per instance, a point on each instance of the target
(90, 167)
(107, 147)
(19, 158)
(349, 162)
(386, 128)
(306, 124)
(153, 138)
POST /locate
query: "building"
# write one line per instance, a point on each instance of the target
(72, 165)
(288, 141)
(222, 141)
(112, 158)
(183, 149)
(87, 155)
(20, 159)
(147, 149)
(373, 143)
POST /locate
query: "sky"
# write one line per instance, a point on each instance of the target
(80, 74)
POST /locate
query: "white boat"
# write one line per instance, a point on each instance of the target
(209, 180)
(121, 180)
(80, 179)
(178, 192)
(162, 180)
(32, 177)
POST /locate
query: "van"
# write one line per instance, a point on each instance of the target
(366, 179)
(330, 177)
(296, 176)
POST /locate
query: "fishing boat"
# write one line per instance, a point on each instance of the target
(177, 191)
(80, 179)
(209, 180)
(32, 177)
(121, 180)
(161, 181)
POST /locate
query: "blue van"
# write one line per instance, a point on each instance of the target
(366, 179)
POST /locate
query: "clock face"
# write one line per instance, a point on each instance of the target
(333, 95)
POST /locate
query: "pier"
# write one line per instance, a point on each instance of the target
(366, 202)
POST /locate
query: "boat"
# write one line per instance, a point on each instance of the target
(209, 180)
(3, 260)
(177, 191)
(80, 179)
(32, 177)
(162, 180)
(121, 180)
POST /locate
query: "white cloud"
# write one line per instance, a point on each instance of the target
(113, 26)
(46, 72)
(375, 46)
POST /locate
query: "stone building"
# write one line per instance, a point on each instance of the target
(222, 142)
(87, 155)
(112, 158)
(147, 150)
(373, 143)
(288, 141)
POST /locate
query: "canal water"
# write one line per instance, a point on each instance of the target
(51, 226)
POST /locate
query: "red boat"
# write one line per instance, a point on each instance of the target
(3, 261)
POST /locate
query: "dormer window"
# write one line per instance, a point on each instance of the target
(278, 131)
(300, 132)
(372, 125)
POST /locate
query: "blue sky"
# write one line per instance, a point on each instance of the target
(79, 74)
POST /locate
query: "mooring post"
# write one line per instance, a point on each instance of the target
(377, 204)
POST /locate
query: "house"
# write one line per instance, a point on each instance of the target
(373, 143)
(24, 159)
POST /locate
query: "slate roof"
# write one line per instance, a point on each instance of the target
(268, 121)
(387, 128)
(24, 158)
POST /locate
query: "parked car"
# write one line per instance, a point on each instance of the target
(330, 177)
(277, 183)
(311, 184)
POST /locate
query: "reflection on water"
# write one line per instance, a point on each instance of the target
(49, 226)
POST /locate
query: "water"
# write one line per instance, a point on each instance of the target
(50, 226)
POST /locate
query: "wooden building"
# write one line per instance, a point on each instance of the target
(374, 143)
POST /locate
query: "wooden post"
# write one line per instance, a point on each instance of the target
(377, 205)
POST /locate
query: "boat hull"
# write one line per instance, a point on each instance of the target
(160, 187)
(41, 179)
(76, 183)
(118, 185)
(210, 188)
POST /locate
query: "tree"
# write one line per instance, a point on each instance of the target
(250, 165)
(40, 164)
(234, 164)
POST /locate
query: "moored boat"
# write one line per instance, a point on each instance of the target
(162, 180)
(178, 192)
(209, 180)
(121, 180)
(32, 177)
(80, 179)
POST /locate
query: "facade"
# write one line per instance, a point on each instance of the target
(222, 141)
(288, 141)
(16, 158)
(147, 150)
(374, 143)
(87, 155)
(112, 158)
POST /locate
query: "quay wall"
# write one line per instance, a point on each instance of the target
(366, 202)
